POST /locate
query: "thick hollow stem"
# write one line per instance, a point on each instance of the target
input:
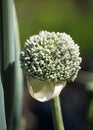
(57, 114)
(8, 60)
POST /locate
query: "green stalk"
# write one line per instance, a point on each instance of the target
(89, 88)
(56, 113)
(8, 60)
(2, 109)
(18, 77)
(11, 74)
(8, 33)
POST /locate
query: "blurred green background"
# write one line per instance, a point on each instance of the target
(74, 17)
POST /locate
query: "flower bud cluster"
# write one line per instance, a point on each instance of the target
(51, 56)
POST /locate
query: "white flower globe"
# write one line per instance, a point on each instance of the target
(48, 61)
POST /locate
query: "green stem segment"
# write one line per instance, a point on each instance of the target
(8, 60)
(57, 114)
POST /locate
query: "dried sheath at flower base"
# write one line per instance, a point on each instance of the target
(48, 61)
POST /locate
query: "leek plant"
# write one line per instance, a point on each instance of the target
(49, 60)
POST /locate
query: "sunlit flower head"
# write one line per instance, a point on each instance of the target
(51, 56)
